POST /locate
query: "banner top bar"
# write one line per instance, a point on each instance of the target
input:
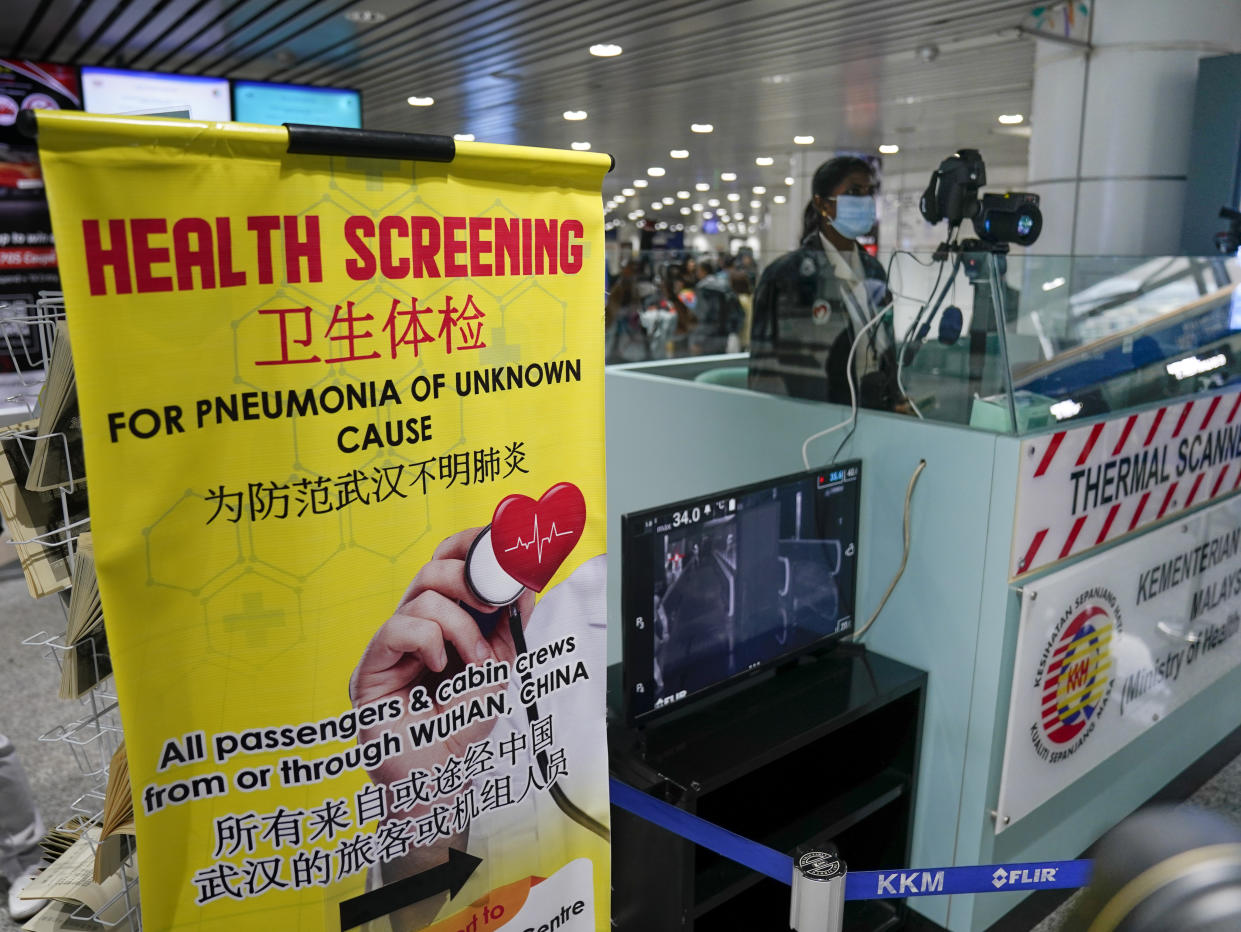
(293, 138)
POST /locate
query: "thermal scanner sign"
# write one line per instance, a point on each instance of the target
(343, 425)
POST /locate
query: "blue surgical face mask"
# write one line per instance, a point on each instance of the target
(855, 215)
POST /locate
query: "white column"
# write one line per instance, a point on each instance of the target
(1112, 178)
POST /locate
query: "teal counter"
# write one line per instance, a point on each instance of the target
(953, 614)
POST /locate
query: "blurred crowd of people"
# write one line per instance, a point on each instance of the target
(680, 305)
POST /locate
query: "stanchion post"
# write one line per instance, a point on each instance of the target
(818, 902)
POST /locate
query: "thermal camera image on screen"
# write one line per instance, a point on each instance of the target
(743, 579)
(695, 606)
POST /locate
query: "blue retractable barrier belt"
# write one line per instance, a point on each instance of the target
(859, 885)
(701, 832)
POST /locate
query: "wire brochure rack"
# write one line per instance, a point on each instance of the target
(49, 542)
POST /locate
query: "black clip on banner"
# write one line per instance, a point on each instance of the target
(305, 139)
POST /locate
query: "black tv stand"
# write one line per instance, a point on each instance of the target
(826, 749)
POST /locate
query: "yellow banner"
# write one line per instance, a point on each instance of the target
(343, 425)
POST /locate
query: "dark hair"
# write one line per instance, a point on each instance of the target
(739, 281)
(826, 178)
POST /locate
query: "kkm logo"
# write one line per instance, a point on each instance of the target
(1076, 674)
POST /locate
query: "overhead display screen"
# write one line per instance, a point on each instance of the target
(116, 91)
(274, 104)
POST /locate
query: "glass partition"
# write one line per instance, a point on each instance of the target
(994, 341)
(1104, 334)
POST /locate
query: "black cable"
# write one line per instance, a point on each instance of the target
(910, 330)
(565, 804)
(917, 318)
(892, 262)
(956, 267)
(848, 437)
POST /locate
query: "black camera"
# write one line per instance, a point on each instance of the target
(952, 195)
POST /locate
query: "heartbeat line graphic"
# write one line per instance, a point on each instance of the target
(537, 540)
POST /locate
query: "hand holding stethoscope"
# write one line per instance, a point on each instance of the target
(464, 600)
(433, 633)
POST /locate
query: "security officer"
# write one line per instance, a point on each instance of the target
(813, 302)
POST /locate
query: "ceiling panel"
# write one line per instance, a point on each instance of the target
(760, 70)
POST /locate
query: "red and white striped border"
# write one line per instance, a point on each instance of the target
(1101, 525)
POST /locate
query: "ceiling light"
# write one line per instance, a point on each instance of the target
(420, 101)
(463, 137)
(1011, 119)
(753, 219)
(655, 171)
(728, 176)
(575, 114)
(365, 17)
(640, 183)
(734, 196)
(1054, 283)
(696, 206)
(701, 128)
(756, 203)
(803, 140)
(605, 50)
(702, 186)
(683, 195)
(628, 192)
(789, 182)
(667, 201)
(889, 148)
(685, 211)
(679, 153)
(738, 216)
(580, 146)
(713, 202)
(759, 189)
(780, 199)
(764, 160)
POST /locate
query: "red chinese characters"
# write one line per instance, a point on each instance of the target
(351, 334)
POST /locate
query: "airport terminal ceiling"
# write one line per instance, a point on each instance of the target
(853, 75)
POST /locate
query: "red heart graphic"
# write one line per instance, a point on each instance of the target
(531, 539)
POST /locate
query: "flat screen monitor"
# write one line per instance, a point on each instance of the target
(723, 586)
(117, 91)
(274, 104)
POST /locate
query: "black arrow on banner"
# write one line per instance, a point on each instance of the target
(450, 876)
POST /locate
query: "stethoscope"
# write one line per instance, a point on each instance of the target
(491, 585)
